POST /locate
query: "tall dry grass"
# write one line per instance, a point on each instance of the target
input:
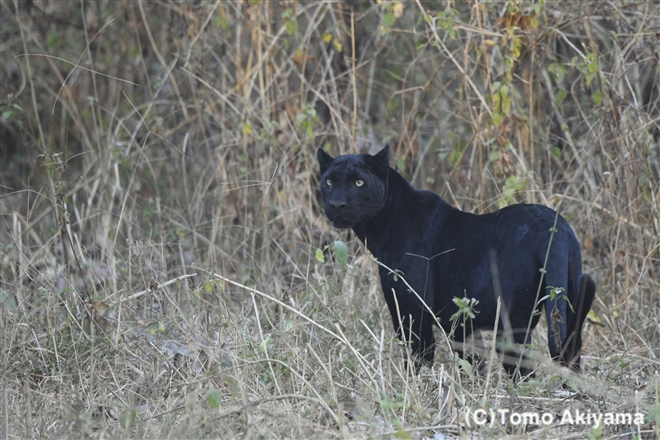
(160, 217)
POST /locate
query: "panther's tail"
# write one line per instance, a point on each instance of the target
(581, 302)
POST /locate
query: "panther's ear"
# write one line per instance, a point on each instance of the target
(324, 159)
(381, 160)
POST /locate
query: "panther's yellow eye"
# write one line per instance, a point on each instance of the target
(359, 183)
(328, 182)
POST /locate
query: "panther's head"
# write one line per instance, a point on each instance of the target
(354, 186)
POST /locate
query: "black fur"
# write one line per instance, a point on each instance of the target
(443, 253)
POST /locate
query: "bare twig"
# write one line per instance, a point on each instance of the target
(157, 287)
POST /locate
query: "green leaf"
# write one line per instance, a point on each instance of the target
(52, 41)
(455, 156)
(127, 417)
(465, 365)
(220, 21)
(389, 19)
(555, 151)
(534, 23)
(319, 255)
(516, 47)
(263, 347)
(291, 27)
(402, 434)
(511, 182)
(596, 432)
(597, 99)
(494, 155)
(7, 300)
(506, 106)
(496, 101)
(342, 252)
(497, 117)
(214, 398)
(643, 180)
(560, 96)
(157, 327)
(589, 78)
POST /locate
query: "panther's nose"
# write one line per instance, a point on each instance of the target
(337, 205)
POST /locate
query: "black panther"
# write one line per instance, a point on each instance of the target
(521, 253)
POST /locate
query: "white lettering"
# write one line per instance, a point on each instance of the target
(482, 417)
(547, 418)
(503, 416)
(581, 418)
(479, 417)
(530, 418)
(567, 418)
(624, 419)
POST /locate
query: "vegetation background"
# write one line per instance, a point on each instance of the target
(166, 268)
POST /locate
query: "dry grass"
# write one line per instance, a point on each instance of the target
(160, 216)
